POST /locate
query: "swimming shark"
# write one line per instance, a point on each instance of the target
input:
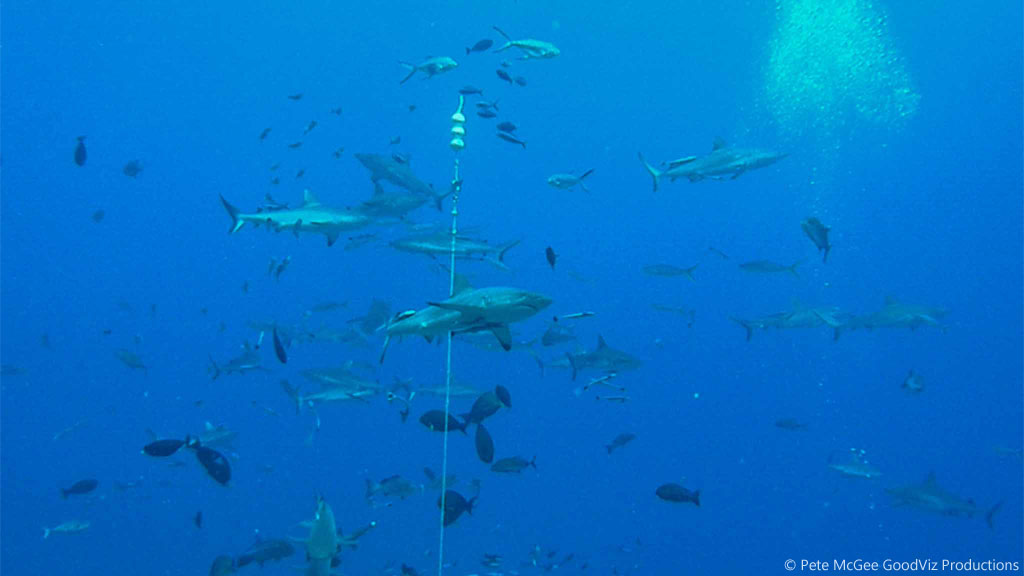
(386, 168)
(930, 497)
(312, 216)
(323, 543)
(895, 314)
(603, 358)
(723, 162)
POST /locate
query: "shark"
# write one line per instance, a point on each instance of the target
(385, 168)
(248, 361)
(799, 317)
(722, 163)
(385, 204)
(931, 497)
(465, 248)
(604, 358)
(896, 314)
(855, 465)
(312, 216)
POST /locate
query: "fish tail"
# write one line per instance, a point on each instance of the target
(689, 272)
(696, 498)
(792, 269)
(216, 369)
(412, 72)
(992, 512)
(824, 259)
(505, 249)
(384, 350)
(369, 489)
(236, 222)
(533, 462)
(63, 493)
(609, 448)
(572, 363)
(654, 172)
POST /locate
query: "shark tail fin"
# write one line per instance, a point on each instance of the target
(792, 269)
(654, 172)
(746, 326)
(412, 71)
(292, 393)
(236, 222)
(213, 365)
(500, 260)
(992, 512)
(384, 350)
(696, 498)
(572, 363)
(689, 272)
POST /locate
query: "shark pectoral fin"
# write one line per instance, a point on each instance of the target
(504, 335)
(297, 227)
(332, 237)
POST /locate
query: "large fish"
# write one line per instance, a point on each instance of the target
(312, 217)
(604, 358)
(430, 67)
(722, 163)
(930, 497)
(384, 167)
(531, 49)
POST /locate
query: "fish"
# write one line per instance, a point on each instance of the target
(769, 267)
(896, 314)
(309, 127)
(531, 49)
(799, 317)
(131, 359)
(620, 441)
(282, 356)
(519, 81)
(494, 308)
(430, 67)
(486, 113)
(551, 256)
(575, 315)
(454, 505)
(485, 406)
(295, 145)
(790, 424)
(281, 267)
(312, 216)
(485, 104)
(513, 465)
(198, 519)
(336, 111)
(466, 248)
(300, 174)
(722, 163)
(295, 97)
(80, 154)
(434, 420)
(689, 313)
(604, 358)
(222, 566)
(855, 465)
(81, 487)
(672, 492)
(390, 487)
(215, 464)
(669, 270)
(69, 527)
(510, 138)
(912, 383)
(335, 393)
(219, 435)
(568, 181)
(480, 46)
(264, 134)
(385, 168)
(132, 169)
(818, 233)
(484, 444)
(557, 334)
(163, 448)
(263, 551)
(718, 253)
(507, 126)
(930, 497)
(469, 90)
(338, 152)
(504, 75)
(98, 215)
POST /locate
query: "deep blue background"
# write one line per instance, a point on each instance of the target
(929, 213)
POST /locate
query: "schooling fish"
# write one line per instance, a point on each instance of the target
(480, 46)
(80, 154)
(80, 487)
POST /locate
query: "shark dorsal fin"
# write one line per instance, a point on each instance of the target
(600, 342)
(718, 144)
(461, 285)
(309, 199)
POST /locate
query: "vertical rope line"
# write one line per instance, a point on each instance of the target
(456, 188)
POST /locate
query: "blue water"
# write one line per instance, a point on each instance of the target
(928, 212)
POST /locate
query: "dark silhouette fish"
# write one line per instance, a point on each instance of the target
(214, 462)
(80, 154)
(297, 96)
(163, 448)
(549, 253)
(454, 505)
(504, 75)
(132, 169)
(519, 81)
(818, 233)
(279, 348)
(198, 519)
(480, 46)
(507, 127)
(510, 138)
(676, 493)
(486, 113)
(485, 406)
(484, 444)
(80, 487)
(435, 421)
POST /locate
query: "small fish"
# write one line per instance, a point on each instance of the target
(275, 166)
(510, 138)
(295, 145)
(513, 465)
(669, 270)
(69, 527)
(279, 348)
(519, 81)
(504, 395)
(790, 424)
(162, 448)
(818, 233)
(675, 493)
(198, 519)
(300, 173)
(80, 153)
(470, 90)
(484, 444)
(98, 216)
(282, 267)
(486, 113)
(454, 505)
(295, 97)
(504, 75)
(493, 104)
(435, 420)
(275, 181)
(620, 441)
(309, 127)
(912, 383)
(132, 169)
(395, 140)
(336, 111)
(768, 267)
(215, 463)
(265, 133)
(575, 315)
(412, 107)
(507, 127)
(130, 359)
(619, 399)
(549, 253)
(480, 46)
(81, 487)
(337, 153)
